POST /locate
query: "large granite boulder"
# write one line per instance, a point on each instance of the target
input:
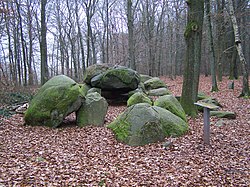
(142, 124)
(93, 71)
(154, 83)
(118, 78)
(56, 99)
(159, 92)
(138, 97)
(223, 114)
(92, 111)
(144, 78)
(170, 103)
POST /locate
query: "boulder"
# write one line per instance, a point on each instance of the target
(144, 78)
(92, 111)
(92, 90)
(159, 92)
(93, 71)
(138, 97)
(142, 124)
(170, 103)
(117, 79)
(55, 100)
(154, 83)
(223, 114)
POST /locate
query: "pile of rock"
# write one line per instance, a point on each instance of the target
(145, 121)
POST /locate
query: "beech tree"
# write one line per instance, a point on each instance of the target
(211, 46)
(245, 88)
(193, 36)
(43, 44)
(130, 24)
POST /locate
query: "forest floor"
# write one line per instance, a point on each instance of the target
(73, 156)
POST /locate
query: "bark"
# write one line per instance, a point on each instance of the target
(43, 44)
(233, 65)
(221, 37)
(13, 76)
(30, 33)
(211, 46)
(22, 43)
(193, 36)
(245, 88)
(80, 37)
(90, 11)
(130, 25)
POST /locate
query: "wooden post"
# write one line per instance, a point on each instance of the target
(206, 117)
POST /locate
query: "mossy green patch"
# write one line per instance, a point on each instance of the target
(121, 130)
(138, 97)
(191, 27)
(170, 103)
(154, 83)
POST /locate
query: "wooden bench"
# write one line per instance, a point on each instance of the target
(206, 116)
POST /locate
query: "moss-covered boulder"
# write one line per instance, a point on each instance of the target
(144, 78)
(142, 124)
(159, 92)
(118, 78)
(154, 83)
(92, 111)
(56, 99)
(138, 97)
(93, 90)
(223, 114)
(170, 103)
(93, 71)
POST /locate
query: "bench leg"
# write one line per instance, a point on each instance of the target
(206, 129)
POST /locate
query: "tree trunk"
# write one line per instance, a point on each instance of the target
(131, 43)
(43, 44)
(30, 33)
(80, 38)
(211, 46)
(233, 65)
(245, 88)
(221, 37)
(22, 43)
(193, 36)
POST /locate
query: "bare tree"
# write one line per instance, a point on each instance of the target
(193, 36)
(43, 44)
(90, 9)
(211, 46)
(245, 88)
(130, 23)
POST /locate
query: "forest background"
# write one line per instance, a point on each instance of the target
(146, 35)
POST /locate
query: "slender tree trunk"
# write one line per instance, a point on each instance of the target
(80, 38)
(233, 65)
(93, 47)
(29, 62)
(221, 37)
(22, 43)
(245, 88)
(193, 36)
(11, 57)
(211, 46)
(131, 43)
(43, 44)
